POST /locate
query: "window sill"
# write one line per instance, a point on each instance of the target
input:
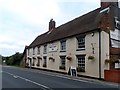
(63, 51)
(80, 49)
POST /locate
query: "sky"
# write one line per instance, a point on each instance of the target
(21, 21)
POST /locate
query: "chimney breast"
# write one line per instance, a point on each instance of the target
(51, 24)
(107, 3)
(104, 4)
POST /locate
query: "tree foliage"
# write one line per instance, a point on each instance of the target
(14, 59)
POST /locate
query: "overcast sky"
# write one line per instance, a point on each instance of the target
(21, 21)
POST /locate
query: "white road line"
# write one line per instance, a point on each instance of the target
(70, 78)
(15, 76)
(66, 77)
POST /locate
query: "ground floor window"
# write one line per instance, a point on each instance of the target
(81, 63)
(45, 61)
(62, 62)
(38, 62)
(33, 64)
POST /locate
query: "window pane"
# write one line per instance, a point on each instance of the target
(63, 45)
(63, 60)
(45, 49)
(81, 61)
(81, 42)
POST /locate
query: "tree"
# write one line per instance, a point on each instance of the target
(14, 59)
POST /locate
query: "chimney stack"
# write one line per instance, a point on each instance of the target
(51, 25)
(107, 3)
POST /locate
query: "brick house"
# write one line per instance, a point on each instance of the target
(91, 43)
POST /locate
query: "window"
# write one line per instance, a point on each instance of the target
(80, 43)
(62, 66)
(38, 52)
(33, 62)
(45, 62)
(81, 62)
(45, 49)
(38, 63)
(62, 60)
(33, 51)
(28, 52)
(63, 45)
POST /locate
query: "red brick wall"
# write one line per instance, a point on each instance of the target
(112, 75)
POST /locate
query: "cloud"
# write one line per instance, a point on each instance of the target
(21, 21)
(32, 11)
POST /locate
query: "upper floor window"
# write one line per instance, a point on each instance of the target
(34, 51)
(80, 43)
(45, 49)
(38, 51)
(28, 52)
(63, 45)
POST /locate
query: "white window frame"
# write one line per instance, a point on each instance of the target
(62, 60)
(63, 45)
(33, 50)
(80, 43)
(81, 61)
(38, 50)
(45, 49)
(28, 50)
(45, 60)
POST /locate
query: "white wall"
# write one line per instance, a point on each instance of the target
(104, 51)
(91, 66)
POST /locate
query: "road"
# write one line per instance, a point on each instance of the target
(14, 77)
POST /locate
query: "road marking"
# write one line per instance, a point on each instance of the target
(60, 76)
(66, 77)
(15, 76)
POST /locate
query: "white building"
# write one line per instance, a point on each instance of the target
(88, 43)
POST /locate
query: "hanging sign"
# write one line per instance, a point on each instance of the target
(53, 47)
(115, 34)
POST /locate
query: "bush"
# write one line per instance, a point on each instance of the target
(80, 69)
(62, 67)
(44, 65)
(91, 57)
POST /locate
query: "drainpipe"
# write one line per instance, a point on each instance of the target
(99, 54)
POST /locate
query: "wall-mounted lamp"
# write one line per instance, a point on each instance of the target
(92, 34)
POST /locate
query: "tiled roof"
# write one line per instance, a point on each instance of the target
(82, 24)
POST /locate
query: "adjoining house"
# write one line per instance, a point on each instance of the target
(91, 43)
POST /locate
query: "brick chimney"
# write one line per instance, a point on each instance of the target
(51, 24)
(107, 3)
